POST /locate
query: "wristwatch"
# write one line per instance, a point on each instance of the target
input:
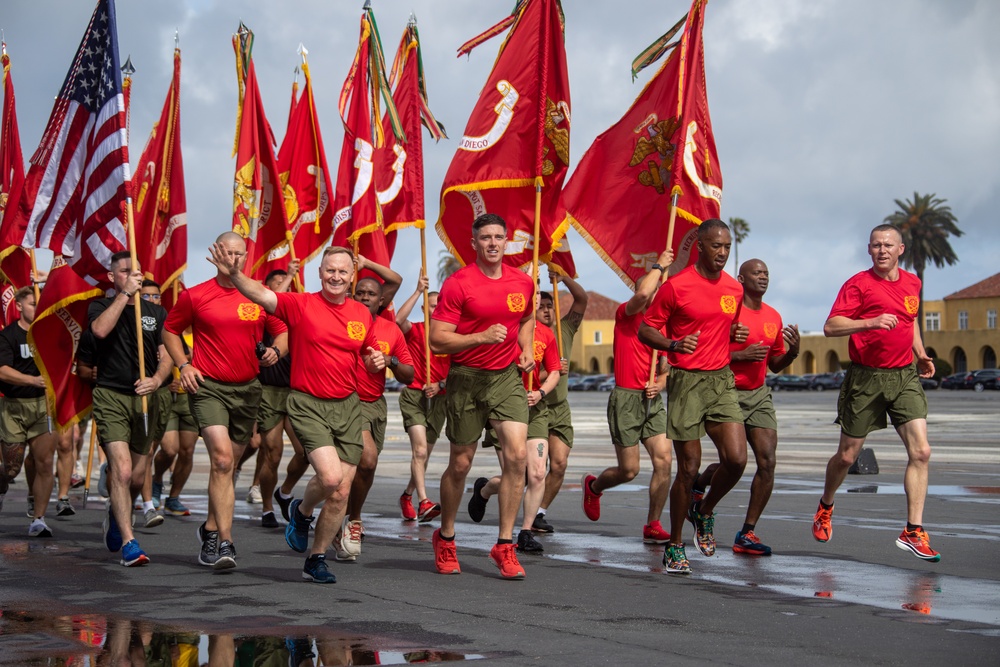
(542, 392)
(656, 267)
(672, 346)
(393, 361)
(277, 352)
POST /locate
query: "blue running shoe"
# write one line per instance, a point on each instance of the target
(297, 530)
(316, 570)
(748, 543)
(112, 535)
(132, 555)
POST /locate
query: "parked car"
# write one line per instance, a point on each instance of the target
(592, 382)
(574, 383)
(771, 379)
(955, 380)
(607, 385)
(826, 381)
(928, 383)
(791, 382)
(982, 379)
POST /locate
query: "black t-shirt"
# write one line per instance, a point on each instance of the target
(16, 353)
(117, 355)
(280, 374)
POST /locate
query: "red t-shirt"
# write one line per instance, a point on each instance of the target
(474, 303)
(227, 327)
(688, 303)
(632, 357)
(765, 329)
(325, 341)
(371, 386)
(866, 296)
(440, 363)
(546, 355)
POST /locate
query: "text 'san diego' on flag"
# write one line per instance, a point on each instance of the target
(73, 194)
(160, 203)
(619, 195)
(517, 133)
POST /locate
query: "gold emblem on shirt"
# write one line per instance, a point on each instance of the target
(539, 351)
(249, 312)
(728, 303)
(771, 330)
(356, 330)
(912, 304)
(383, 346)
(516, 302)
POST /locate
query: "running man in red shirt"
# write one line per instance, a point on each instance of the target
(635, 411)
(328, 332)
(699, 307)
(484, 321)
(763, 349)
(422, 405)
(371, 391)
(221, 382)
(876, 308)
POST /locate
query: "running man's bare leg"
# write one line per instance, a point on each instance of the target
(453, 484)
(534, 490)
(271, 446)
(513, 438)
(839, 464)
(42, 451)
(764, 443)
(625, 471)
(730, 440)
(558, 460)
(420, 452)
(223, 454)
(688, 455)
(364, 476)
(918, 451)
(658, 448)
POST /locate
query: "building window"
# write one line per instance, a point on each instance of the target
(963, 320)
(932, 321)
(597, 338)
(991, 318)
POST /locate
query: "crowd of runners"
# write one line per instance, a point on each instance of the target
(242, 364)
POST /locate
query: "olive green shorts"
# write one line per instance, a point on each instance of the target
(476, 396)
(413, 407)
(22, 419)
(868, 394)
(119, 419)
(165, 400)
(538, 426)
(628, 420)
(327, 422)
(373, 419)
(696, 397)
(180, 415)
(758, 408)
(561, 422)
(224, 404)
(272, 407)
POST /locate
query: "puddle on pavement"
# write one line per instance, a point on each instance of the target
(41, 638)
(897, 490)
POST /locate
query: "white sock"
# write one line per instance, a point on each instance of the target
(542, 511)
(147, 505)
(283, 496)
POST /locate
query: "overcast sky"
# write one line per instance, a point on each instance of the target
(824, 111)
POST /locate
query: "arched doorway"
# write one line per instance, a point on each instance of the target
(958, 360)
(809, 361)
(832, 362)
(989, 357)
(611, 365)
(932, 353)
(595, 365)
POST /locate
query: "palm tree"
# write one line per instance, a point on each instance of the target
(925, 225)
(741, 230)
(447, 265)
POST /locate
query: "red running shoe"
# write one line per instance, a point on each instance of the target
(653, 533)
(429, 510)
(445, 555)
(591, 500)
(504, 556)
(919, 543)
(406, 507)
(822, 529)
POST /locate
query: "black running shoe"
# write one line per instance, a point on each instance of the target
(268, 520)
(477, 504)
(209, 546)
(283, 503)
(540, 525)
(226, 557)
(526, 543)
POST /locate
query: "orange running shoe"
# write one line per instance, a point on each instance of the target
(653, 533)
(822, 529)
(406, 507)
(919, 543)
(504, 556)
(591, 500)
(445, 555)
(428, 510)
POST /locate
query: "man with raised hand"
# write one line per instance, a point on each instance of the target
(484, 321)
(329, 332)
(221, 381)
(877, 309)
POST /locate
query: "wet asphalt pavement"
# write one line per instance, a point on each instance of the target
(596, 596)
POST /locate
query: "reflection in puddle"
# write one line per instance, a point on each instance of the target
(30, 638)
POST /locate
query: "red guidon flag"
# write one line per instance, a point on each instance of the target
(60, 319)
(517, 136)
(15, 263)
(357, 223)
(305, 181)
(160, 204)
(74, 192)
(399, 166)
(619, 196)
(561, 260)
(258, 201)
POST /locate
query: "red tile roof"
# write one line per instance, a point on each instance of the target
(599, 307)
(984, 288)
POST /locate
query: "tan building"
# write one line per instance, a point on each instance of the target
(960, 329)
(593, 347)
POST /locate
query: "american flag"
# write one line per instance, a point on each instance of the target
(73, 195)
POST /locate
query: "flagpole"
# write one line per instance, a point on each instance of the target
(555, 301)
(674, 194)
(137, 302)
(534, 269)
(427, 309)
(34, 275)
(291, 252)
(90, 460)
